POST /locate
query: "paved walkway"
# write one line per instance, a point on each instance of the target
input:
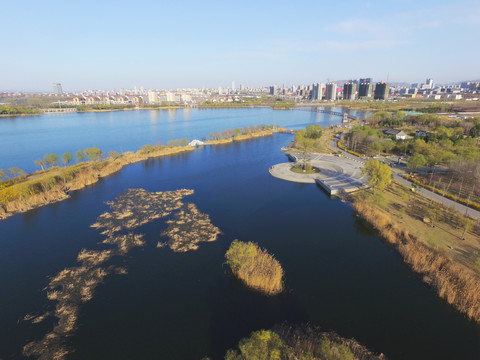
(336, 174)
(427, 193)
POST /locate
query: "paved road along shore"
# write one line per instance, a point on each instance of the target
(427, 193)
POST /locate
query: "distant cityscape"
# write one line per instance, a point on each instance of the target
(358, 89)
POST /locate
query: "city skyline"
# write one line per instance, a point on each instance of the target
(190, 45)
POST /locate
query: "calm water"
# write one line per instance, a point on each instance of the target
(25, 139)
(338, 273)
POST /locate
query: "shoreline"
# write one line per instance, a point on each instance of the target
(452, 281)
(92, 172)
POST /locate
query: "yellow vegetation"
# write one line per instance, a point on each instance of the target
(455, 283)
(255, 266)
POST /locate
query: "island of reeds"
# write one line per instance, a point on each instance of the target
(189, 228)
(255, 267)
(301, 342)
(74, 286)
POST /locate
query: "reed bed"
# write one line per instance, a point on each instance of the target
(73, 286)
(453, 282)
(255, 267)
(189, 228)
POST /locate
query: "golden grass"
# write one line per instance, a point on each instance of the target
(256, 267)
(453, 282)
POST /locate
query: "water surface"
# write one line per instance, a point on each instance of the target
(25, 139)
(338, 273)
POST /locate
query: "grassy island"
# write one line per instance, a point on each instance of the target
(302, 342)
(255, 266)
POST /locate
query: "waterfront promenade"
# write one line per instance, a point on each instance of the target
(336, 175)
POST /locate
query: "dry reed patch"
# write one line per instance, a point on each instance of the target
(308, 342)
(452, 281)
(74, 286)
(188, 229)
(255, 266)
(136, 207)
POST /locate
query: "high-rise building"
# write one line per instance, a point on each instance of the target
(381, 91)
(349, 90)
(429, 84)
(242, 87)
(364, 89)
(153, 97)
(331, 91)
(273, 90)
(220, 90)
(233, 85)
(317, 91)
(57, 89)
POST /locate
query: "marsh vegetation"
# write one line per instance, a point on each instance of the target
(74, 286)
(255, 267)
(302, 342)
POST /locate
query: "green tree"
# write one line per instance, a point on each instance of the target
(94, 153)
(184, 142)
(80, 155)
(376, 147)
(261, 345)
(15, 172)
(239, 254)
(416, 161)
(434, 213)
(313, 131)
(42, 163)
(66, 158)
(468, 223)
(238, 132)
(51, 159)
(379, 174)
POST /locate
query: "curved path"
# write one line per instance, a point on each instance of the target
(427, 193)
(336, 174)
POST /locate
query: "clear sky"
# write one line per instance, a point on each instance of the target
(175, 44)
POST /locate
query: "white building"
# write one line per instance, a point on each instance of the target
(153, 97)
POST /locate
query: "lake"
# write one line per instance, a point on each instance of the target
(25, 139)
(339, 274)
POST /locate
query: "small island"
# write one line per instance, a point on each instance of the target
(299, 342)
(255, 267)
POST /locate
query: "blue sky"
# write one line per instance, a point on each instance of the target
(177, 44)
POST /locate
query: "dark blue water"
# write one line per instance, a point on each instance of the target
(339, 274)
(25, 139)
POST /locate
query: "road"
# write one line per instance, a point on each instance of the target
(427, 193)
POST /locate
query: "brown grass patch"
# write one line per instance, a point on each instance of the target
(72, 287)
(189, 228)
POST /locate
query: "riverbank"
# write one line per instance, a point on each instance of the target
(51, 186)
(445, 262)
